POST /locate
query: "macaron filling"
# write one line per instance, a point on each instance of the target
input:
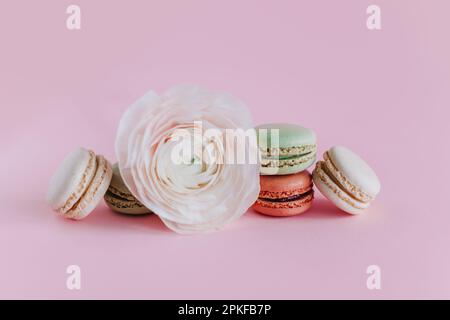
(121, 195)
(290, 198)
(102, 176)
(285, 152)
(122, 202)
(302, 201)
(287, 162)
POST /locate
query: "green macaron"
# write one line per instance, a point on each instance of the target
(120, 199)
(285, 148)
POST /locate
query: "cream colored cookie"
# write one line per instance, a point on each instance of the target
(79, 184)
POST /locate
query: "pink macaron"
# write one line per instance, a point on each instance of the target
(285, 195)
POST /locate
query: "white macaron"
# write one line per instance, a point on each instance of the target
(346, 179)
(79, 184)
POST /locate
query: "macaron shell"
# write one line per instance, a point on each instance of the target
(281, 184)
(332, 192)
(132, 211)
(289, 135)
(71, 180)
(284, 209)
(355, 169)
(94, 193)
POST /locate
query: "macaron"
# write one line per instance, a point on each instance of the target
(285, 195)
(79, 184)
(285, 148)
(119, 198)
(346, 179)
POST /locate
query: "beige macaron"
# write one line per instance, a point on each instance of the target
(346, 179)
(119, 198)
(79, 184)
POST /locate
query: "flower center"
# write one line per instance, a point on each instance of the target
(187, 162)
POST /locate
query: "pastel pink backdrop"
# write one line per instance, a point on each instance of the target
(385, 94)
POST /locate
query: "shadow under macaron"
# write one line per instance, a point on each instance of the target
(105, 218)
(324, 209)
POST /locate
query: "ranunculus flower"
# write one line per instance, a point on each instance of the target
(203, 193)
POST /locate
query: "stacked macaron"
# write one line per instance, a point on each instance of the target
(287, 150)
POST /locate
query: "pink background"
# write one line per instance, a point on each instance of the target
(385, 94)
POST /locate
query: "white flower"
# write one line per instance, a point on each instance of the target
(199, 195)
